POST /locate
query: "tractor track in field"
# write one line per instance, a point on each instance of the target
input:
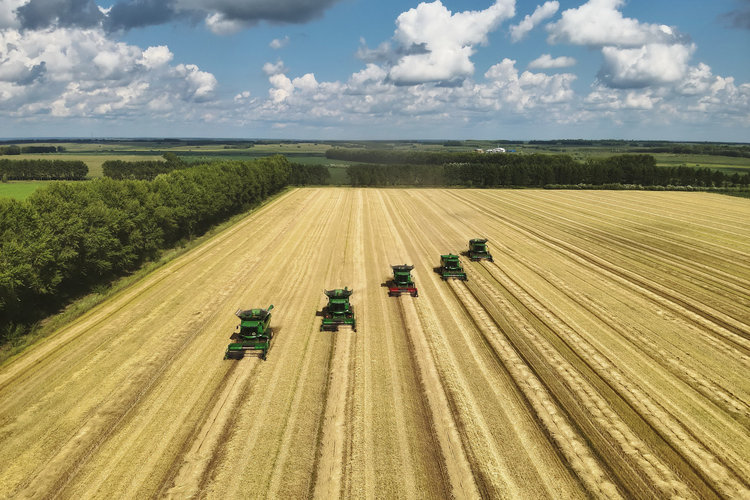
(252, 421)
(581, 363)
(731, 225)
(623, 452)
(401, 338)
(722, 397)
(553, 418)
(724, 255)
(673, 443)
(725, 330)
(493, 457)
(731, 403)
(702, 276)
(199, 423)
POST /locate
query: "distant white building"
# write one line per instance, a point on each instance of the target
(496, 150)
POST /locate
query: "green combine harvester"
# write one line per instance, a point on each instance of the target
(338, 311)
(450, 267)
(255, 333)
(402, 281)
(478, 250)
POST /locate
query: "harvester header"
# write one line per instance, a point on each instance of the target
(402, 281)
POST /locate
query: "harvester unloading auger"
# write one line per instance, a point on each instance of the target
(254, 334)
(402, 281)
(338, 311)
(478, 250)
(450, 267)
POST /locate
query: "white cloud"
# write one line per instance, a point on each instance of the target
(651, 64)
(542, 12)
(599, 23)
(546, 61)
(154, 57)
(274, 69)
(74, 72)
(219, 24)
(200, 84)
(527, 90)
(282, 87)
(444, 41)
(279, 43)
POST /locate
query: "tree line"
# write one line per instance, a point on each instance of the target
(17, 150)
(538, 170)
(67, 238)
(70, 170)
(142, 169)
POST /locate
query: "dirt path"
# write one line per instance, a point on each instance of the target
(603, 354)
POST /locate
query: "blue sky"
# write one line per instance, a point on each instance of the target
(347, 69)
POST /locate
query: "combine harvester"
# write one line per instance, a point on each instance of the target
(255, 333)
(450, 267)
(338, 311)
(402, 282)
(478, 250)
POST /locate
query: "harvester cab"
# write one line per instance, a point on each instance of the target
(478, 250)
(254, 334)
(402, 281)
(338, 311)
(450, 267)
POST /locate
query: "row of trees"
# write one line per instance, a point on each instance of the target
(541, 170)
(734, 150)
(300, 174)
(43, 170)
(304, 175)
(143, 169)
(17, 150)
(402, 157)
(69, 237)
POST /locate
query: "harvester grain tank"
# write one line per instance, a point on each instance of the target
(255, 333)
(478, 250)
(402, 281)
(338, 311)
(450, 267)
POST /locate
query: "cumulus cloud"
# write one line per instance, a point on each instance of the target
(527, 89)
(76, 73)
(439, 43)
(599, 23)
(651, 64)
(279, 43)
(542, 12)
(274, 68)
(546, 61)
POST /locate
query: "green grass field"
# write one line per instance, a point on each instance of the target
(727, 164)
(20, 190)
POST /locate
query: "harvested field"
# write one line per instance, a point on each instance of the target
(604, 353)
